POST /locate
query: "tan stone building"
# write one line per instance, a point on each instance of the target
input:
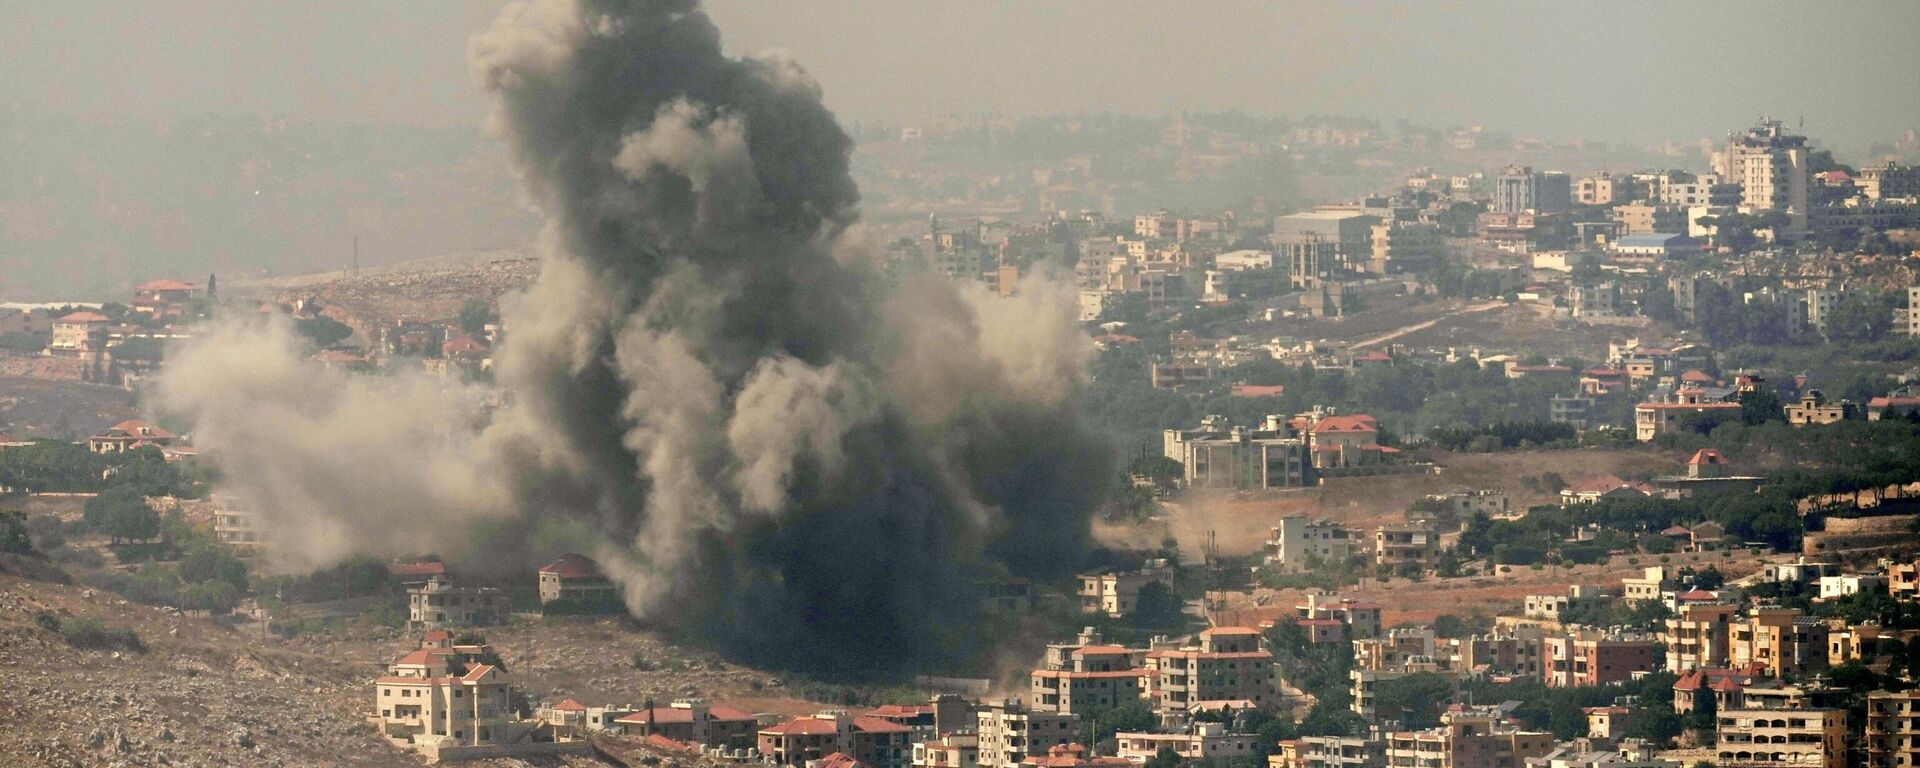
(1226, 664)
(1781, 738)
(871, 740)
(1892, 736)
(1467, 738)
(444, 695)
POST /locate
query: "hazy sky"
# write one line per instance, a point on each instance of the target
(1606, 71)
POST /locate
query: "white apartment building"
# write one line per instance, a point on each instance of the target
(1298, 542)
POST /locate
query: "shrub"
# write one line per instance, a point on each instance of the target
(90, 634)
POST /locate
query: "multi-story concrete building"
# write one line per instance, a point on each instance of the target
(234, 525)
(1248, 459)
(1892, 735)
(1402, 246)
(1226, 664)
(1010, 733)
(1330, 752)
(79, 334)
(1199, 741)
(1521, 189)
(1593, 657)
(1468, 737)
(1604, 189)
(575, 578)
(1394, 649)
(438, 604)
(1321, 243)
(1648, 218)
(1114, 592)
(1787, 643)
(443, 696)
(1087, 674)
(1781, 738)
(1770, 165)
(1519, 652)
(1466, 504)
(1361, 618)
(960, 749)
(1299, 543)
(870, 740)
(1889, 180)
(1699, 636)
(1405, 544)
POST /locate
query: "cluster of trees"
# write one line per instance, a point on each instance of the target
(64, 467)
(1502, 434)
(1543, 535)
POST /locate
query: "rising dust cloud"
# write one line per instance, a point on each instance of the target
(775, 450)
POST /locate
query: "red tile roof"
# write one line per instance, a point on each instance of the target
(1258, 390)
(1101, 650)
(1068, 674)
(1359, 423)
(841, 760)
(572, 566)
(664, 715)
(570, 705)
(164, 284)
(1707, 456)
(1215, 631)
(658, 741)
(85, 317)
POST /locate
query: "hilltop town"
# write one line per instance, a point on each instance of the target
(1497, 467)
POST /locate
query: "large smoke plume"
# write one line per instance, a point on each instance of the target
(773, 449)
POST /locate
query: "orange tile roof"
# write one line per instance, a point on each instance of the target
(664, 715)
(570, 705)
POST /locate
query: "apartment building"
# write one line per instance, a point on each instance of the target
(1114, 593)
(1225, 664)
(960, 749)
(1781, 738)
(1330, 752)
(1787, 643)
(1299, 542)
(1405, 544)
(1519, 652)
(1892, 735)
(1648, 218)
(1700, 636)
(1200, 741)
(1468, 737)
(1009, 733)
(438, 604)
(1394, 649)
(1087, 675)
(1361, 617)
(234, 525)
(1592, 657)
(1770, 165)
(871, 740)
(575, 578)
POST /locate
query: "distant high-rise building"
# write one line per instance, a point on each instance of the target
(1521, 188)
(1770, 165)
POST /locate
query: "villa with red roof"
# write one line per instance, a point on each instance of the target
(162, 298)
(79, 334)
(577, 579)
(1604, 487)
(130, 435)
(870, 740)
(1344, 441)
(441, 698)
(693, 721)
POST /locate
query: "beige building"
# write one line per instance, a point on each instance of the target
(1648, 218)
(78, 334)
(1770, 165)
(438, 604)
(1781, 738)
(1892, 736)
(1786, 642)
(1226, 664)
(1402, 245)
(1087, 675)
(1414, 544)
(1114, 592)
(233, 526)
(1700, 636)
(1329, 752)
(1010, 733)
(1298, 542)
(803, 741)
(575, 578)
(444, 695)
(1890, 179)
(1200, 741)
(1467, 738)
(960, 749)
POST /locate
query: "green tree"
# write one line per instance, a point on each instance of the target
(13, 533)
(1861, 317)
(1760, 406)
(1165, 758)
(206, 561)
(474, 316)
(322, 331)
(22, 343)
(1157, 607)
(122, 513)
